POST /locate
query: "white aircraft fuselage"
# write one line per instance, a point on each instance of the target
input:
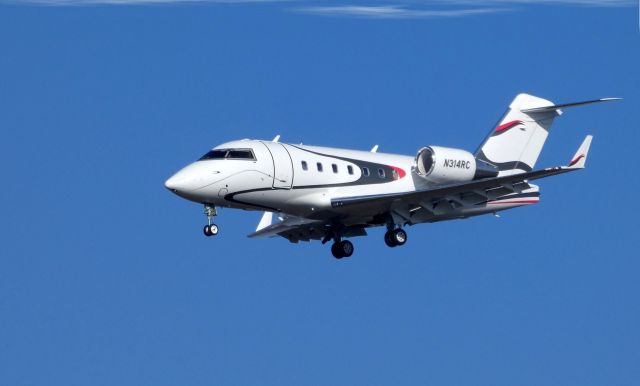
(276, 179)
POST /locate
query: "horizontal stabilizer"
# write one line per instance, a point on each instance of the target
(566, 105)
(580, 158)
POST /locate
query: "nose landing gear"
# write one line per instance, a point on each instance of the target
(210, 229)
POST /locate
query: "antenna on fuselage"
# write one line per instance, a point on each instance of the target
(276, 139)
(374, 149)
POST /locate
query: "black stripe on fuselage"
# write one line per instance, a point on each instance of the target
(231, 198)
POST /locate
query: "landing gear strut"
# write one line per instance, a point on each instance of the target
(395, 237)
(210, 229)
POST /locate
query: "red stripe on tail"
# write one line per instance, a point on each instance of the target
(507, 126)
(575, 161)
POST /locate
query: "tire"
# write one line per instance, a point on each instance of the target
(388, 239)
(207, 231)
(346, 248)
(336, 251)
(399, 237)
(213, 229)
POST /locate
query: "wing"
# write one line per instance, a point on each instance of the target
(462, 193)
(292, 228)
(297, 229)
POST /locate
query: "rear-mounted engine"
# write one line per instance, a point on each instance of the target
(442, 164)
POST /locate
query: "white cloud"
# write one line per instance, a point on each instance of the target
(417, 9)
(590, 3)
(373, 9)
(393, 11)
(130, 2)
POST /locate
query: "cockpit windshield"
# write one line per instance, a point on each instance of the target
(244, 154)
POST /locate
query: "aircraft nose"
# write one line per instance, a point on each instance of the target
(173, 183)
(190, 180)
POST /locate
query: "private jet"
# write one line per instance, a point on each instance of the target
(332, 194)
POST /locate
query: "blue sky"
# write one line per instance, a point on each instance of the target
(105, 277)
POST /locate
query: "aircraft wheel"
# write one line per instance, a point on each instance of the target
(388, 239)
(346, 248)
(210, 230)
(342, 249)
(399, 237)
(335, 251)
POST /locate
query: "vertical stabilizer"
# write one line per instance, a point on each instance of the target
(514, 144)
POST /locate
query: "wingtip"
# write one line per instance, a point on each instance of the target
(578, 161)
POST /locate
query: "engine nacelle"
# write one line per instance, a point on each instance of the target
(443, 164)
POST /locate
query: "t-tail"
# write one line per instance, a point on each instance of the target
(514, 145)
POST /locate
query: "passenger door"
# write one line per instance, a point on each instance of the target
(282, 165)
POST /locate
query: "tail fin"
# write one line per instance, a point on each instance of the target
(514, 145)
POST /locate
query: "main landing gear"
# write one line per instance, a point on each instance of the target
(341, 249)
(395, 237)
(210, 229)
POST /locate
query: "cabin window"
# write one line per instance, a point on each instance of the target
(381, 173)
(334, 167)
(350, 169)
(244, 154)
(365, 172)
(319, 165)
(304, 165)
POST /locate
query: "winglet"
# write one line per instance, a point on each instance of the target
(580, 158)
(265, 221)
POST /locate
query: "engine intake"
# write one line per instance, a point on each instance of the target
(443, 164)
